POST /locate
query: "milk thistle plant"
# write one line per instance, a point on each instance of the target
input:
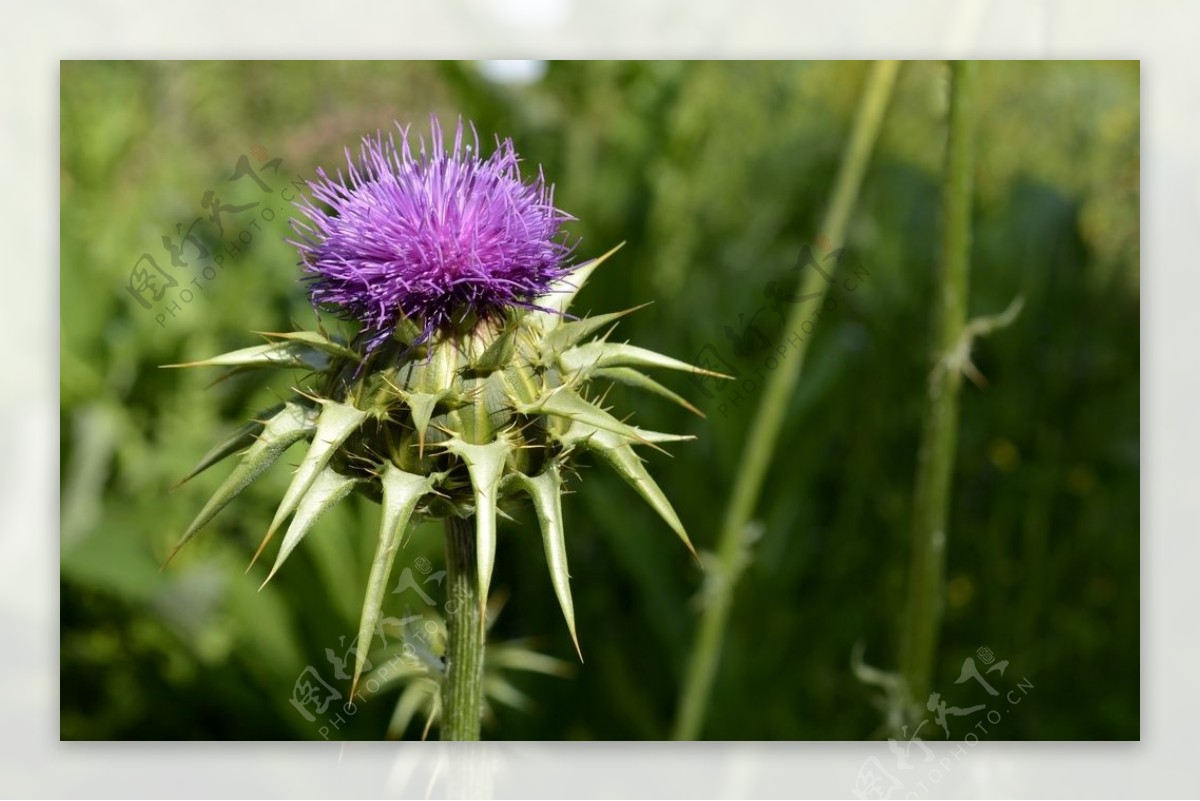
(466, 388)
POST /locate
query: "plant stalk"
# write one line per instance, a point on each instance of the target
(462, 690)
(772, 408)
(935, 457)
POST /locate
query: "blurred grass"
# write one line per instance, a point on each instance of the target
(715, 175)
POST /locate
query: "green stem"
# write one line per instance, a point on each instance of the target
(767, 423)
(462, 691)
(935, 458)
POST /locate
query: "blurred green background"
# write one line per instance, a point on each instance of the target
(715, 174)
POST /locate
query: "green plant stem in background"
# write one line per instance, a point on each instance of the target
(935, 458)
(462, 691)
(767, 423)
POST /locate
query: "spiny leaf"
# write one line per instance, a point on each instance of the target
(336, 422)
(421, 406)
(407, 330)
(563, 291)
(644, 436)
(568, 334)
(564, 402)
(318, 341)
(485, 463)
(435, 712)
(546, 492)
(417, 694)
(325, 492)
(435, 373)
(292, 423)
(241, 437)
(272, 354)
(397, 670)
(615, 354)
(499, 352)
(401, 493)
(414, 649)
(514, 655)
(520, 383)
(501, 690)
(620, 456)
(639, 380)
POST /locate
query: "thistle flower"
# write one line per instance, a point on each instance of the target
(430, 237)
(467, 387)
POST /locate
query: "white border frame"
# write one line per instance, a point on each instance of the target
(1161, 34)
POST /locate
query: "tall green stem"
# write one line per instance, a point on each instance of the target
(462, 691)
(935, 458)
(767, 422)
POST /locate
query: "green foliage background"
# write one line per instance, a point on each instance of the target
(715, 175)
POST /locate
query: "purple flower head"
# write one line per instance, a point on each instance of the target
(432, 237)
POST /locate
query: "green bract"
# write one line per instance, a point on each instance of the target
(456, 426)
